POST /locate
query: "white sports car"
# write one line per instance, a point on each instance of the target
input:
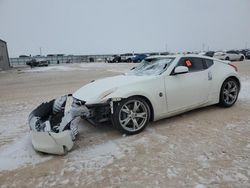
(159, 87)
(229, 56)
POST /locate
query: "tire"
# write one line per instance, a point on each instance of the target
(129, 60)
(229, 92)
(227, 58)
(241, 58)
(131, 116)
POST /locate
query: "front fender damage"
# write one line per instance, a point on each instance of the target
(52, 130)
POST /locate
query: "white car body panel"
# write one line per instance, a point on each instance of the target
(147, 86)
(93, 92)
(180, 92)
(189, 91)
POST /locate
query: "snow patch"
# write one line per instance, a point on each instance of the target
(248, 146)
(200, 186)
(94, 157)
(203, 160)
(53, 68)
(244, 94)
(121, 67)
(20, 153)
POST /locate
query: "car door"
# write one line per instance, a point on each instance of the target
(234, 56)
(230, 55)
(238, 56)
(190, 89)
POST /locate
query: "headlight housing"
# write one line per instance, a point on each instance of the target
(77, 102)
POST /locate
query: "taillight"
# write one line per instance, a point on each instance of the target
(235, 68)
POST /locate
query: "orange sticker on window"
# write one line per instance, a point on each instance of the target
(188, 63)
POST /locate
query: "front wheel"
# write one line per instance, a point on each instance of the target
(131, 116)
(241, 58)
(229, 92)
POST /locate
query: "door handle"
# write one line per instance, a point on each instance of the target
(210, 76)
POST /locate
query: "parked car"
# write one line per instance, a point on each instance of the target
(37, 63)
(138, 58)
(114, 59)
(23, 56)
(69, 61)
(159, 87)
(127, 57)
(248, 55)
(230, 56)
(244, 51)
(209, 53)
(202, 53)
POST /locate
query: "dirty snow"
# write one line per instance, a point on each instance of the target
(244, 95)
(19, 153)
(95, 157)
(121, 67)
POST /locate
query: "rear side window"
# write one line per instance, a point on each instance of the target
(193, 63)
(209, 62)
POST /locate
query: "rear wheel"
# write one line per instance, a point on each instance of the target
(227, 58)
(131, 116)
(241, 58)
(229, 92)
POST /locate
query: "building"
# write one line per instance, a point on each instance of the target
(4, 57)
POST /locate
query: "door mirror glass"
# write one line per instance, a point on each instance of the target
(180, 70)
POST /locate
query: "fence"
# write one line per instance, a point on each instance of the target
(60, 59)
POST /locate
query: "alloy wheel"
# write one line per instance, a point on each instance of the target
(230, 92)
(133, 115)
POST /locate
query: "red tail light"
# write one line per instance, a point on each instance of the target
(235, 68)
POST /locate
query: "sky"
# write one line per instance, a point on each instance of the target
(87, 27)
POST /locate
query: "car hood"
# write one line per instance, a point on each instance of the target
(99, 89)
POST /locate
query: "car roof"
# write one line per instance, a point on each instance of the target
(186, 55)
(178, 56)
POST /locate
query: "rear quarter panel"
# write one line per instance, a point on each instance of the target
(220, 72)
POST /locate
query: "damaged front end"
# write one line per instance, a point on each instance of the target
(52, 130)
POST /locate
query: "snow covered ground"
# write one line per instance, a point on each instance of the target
(209, 147)
(113, 67)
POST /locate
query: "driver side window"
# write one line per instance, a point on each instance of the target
(194, 64)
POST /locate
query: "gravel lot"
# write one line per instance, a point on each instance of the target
(208, 147)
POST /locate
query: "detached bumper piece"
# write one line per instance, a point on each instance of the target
(52, 130)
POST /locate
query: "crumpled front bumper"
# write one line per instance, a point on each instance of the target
(53, 143)
(51, 125)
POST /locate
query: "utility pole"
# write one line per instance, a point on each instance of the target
(40, 51)
(203, 47)
(166, 47)
(246, 45)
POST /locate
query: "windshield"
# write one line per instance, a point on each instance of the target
(219, 53)
(154, 66)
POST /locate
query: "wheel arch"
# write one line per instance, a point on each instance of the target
(221, 102)
(149, 104)
(235, 78)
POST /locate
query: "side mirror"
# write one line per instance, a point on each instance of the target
(180, 70)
